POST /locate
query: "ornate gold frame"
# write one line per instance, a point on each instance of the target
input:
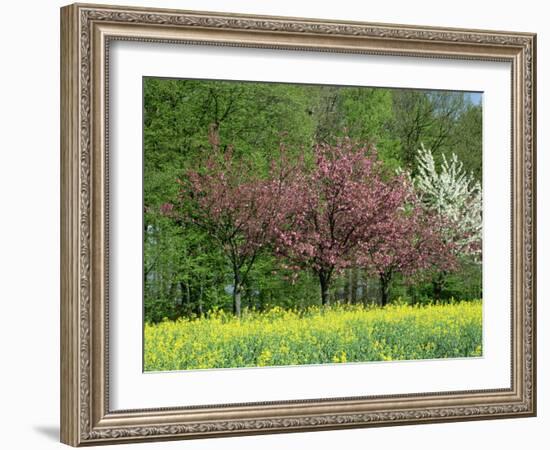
(86, 31)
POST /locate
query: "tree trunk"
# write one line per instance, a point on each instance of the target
(350, 286)
(438, 283)
(361, 287)
(324, 280)
(250, 298)
(199, 301)
(188, 293)
(183, 296)
(237, 302)
(384, 289)
(237, 295)
(354, 280)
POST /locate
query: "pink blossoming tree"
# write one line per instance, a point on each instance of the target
(335, 209)
(413, 242)
(341, 210)
(222, 204)
(235, 208)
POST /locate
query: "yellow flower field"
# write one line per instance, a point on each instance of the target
(336, 334)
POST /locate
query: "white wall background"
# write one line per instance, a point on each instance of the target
(29, 229)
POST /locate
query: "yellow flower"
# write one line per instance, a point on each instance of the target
(340, 333)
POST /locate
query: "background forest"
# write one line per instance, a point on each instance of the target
(186, 273)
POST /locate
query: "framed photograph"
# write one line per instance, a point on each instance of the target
(274, 224)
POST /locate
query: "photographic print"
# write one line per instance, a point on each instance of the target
(292, 224)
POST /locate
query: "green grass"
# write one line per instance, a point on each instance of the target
(318, 335)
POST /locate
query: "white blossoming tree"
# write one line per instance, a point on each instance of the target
(456, 197)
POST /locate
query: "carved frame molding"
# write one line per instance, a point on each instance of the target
(86, 31)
